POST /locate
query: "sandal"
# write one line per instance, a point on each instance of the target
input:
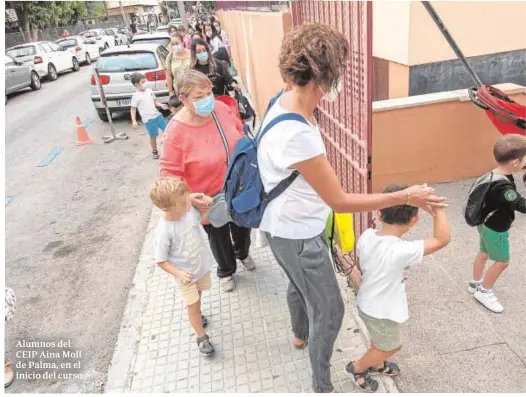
(389, 369)
(205, 347)
(9, 376)
(362, 379)
(300, 346)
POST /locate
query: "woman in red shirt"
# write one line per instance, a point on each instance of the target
(194, 151)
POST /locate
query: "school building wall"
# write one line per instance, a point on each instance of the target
(492, 35)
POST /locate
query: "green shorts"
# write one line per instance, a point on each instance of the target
(385, 334)
(495, 244)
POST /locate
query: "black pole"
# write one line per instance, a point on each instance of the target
(451, 42)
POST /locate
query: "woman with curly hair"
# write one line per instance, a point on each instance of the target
(312, 62)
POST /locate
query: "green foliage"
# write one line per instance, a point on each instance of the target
(96, 9)
(44, 14)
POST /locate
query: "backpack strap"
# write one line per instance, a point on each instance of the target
(284, 184)
(223, 137)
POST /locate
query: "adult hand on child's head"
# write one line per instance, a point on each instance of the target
(424, 197)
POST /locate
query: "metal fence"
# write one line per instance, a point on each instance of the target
(252, 5)
(346, 124)
(52, 34)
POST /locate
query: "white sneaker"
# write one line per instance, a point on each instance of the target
(228, 284)
(489, 300)
(249, 263)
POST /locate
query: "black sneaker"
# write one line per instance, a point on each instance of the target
(155, 154)
(205, 347)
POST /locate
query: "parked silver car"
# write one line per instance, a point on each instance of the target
(19, 76)
(116, 66)
(162, 38)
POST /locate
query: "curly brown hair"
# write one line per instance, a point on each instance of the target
(313, 52)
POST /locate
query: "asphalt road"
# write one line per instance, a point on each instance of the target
(74, 228)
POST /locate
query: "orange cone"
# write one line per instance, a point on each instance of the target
(82, 134)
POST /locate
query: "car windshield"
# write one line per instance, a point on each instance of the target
(22, 51)
(127, 62)
(67, 43)
(164, 41)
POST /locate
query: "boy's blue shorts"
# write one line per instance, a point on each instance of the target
(153, 126)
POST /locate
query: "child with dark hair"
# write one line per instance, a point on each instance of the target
(175, 104)
(382, 302)
(501, 201)
(144, 100)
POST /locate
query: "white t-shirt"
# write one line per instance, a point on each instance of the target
(299, 212)
(384, 261)
(182, 244)
(216, 44)
(144, 101)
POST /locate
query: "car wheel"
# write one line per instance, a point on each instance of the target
(52, 72)
(35, 81)
(103, 116)
(88, 59)
(76, 66)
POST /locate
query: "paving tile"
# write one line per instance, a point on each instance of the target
(250, 329)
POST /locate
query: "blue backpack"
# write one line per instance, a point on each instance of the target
(245, 195)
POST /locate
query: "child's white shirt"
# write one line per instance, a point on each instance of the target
(182, 244)
(144, 101)
(384, 260)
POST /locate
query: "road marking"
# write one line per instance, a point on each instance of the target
(8, 199)
(54, 153)
(87, 123)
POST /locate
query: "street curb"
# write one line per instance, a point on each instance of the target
(120, 372)
(389, 384)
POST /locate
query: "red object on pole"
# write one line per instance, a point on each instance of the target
(507, 115)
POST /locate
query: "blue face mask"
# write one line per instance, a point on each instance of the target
(178, 49)
(202, 56)
(204, 107)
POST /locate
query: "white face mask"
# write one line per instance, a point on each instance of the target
(333, 92)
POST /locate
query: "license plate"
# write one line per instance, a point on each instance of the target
(124, 102)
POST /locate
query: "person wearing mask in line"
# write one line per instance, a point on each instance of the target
(194, 152)
(186, 37)
(215, 42)
(191, 31)
(312, 62)
(217, 71)
(179, 60)
(196, 36)
(224, 36)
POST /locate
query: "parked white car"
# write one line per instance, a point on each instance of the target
(47, 58)
(103, 40)
(162, 38)
(163, 28)
(116, 65)
(84, 49)
(120, 39)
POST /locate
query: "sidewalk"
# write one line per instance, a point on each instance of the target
(250, 329)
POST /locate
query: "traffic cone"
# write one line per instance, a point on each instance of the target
(82, 134)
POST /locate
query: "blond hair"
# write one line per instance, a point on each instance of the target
(190, 79)
(164, 192)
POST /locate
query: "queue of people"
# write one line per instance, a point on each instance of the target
(199, 140)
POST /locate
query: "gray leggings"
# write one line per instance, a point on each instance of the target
(314, 300)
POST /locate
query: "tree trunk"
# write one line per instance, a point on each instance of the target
(24, 23)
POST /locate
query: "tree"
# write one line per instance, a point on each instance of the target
(96, 9)
(44, 14)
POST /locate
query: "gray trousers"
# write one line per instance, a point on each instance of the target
(314, 300)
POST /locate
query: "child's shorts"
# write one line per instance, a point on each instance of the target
(495, 244)
(385, 334)
(189, 293)
(153, 126)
